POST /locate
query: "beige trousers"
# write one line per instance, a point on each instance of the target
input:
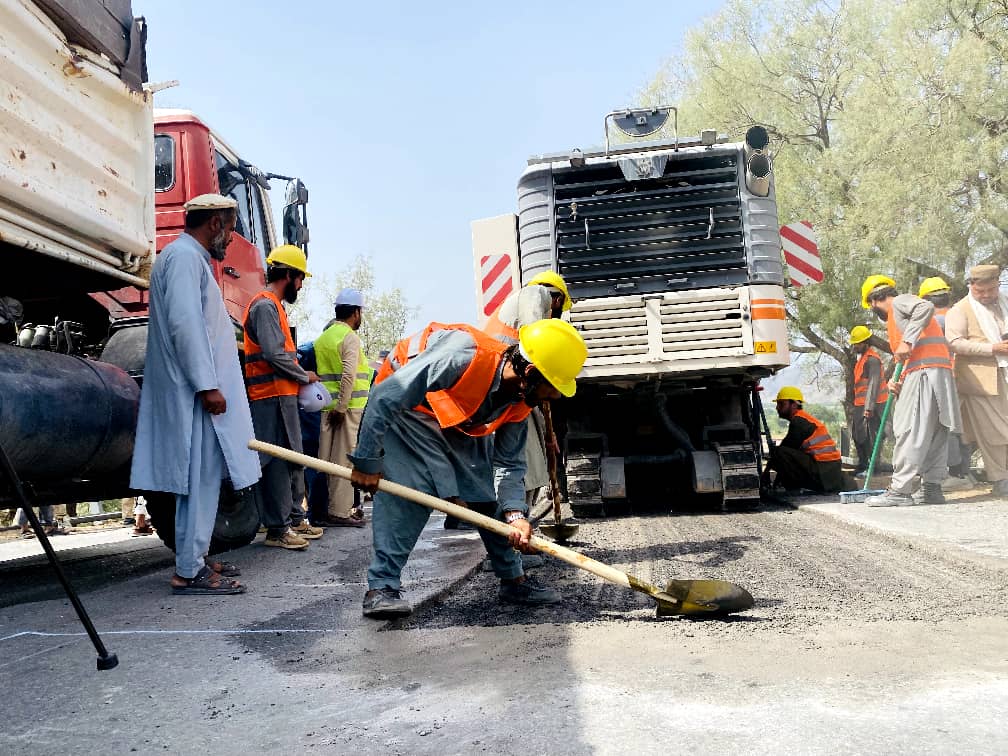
(334, 445)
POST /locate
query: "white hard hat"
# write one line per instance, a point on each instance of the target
(352, 297)
(312, 397)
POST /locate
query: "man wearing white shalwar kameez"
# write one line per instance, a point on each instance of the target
(927, 407)
(194, 422)
(975, 328)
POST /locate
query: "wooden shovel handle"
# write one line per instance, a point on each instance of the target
(603, 571)
(551, 461)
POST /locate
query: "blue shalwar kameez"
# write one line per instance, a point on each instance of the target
(486, 472)
(180, 448)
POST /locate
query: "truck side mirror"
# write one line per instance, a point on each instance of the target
(295, 214)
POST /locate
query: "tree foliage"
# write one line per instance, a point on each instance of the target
(889, 126)
(386, 313)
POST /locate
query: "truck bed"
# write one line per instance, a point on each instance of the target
(76, 171)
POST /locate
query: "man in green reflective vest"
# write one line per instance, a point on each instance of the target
(345, 371)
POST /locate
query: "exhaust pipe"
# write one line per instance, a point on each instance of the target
(756, 140)
(757, 177)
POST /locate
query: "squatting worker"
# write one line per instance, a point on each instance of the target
(194, 422)
(870, 394)
(345, 371)
(448, 409)
(976, 329)
(807, 457)
(544, 297)
(927, 406)
(273, 377)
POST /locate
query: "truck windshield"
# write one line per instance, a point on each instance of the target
(164, 162)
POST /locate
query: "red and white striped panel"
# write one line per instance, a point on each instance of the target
(495, 282)
(801, 253)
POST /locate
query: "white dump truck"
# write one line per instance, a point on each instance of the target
(671, 251)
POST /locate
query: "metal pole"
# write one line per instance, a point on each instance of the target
(106, 660)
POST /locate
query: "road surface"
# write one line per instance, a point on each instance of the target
(862, 640)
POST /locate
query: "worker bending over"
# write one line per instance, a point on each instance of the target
(807, 457)
(447, 416)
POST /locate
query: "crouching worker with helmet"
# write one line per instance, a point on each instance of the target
(807, 457)
(447, 416)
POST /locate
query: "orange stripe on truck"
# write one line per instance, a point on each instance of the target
(767, 312)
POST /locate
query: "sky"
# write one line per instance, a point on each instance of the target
(407, 121)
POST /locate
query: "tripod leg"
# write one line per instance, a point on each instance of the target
(105, 659)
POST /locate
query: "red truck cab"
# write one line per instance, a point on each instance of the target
(190, 159)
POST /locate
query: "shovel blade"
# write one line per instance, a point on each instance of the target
(710, 598)
(559, 532)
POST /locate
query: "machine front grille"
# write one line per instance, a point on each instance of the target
(680, 231)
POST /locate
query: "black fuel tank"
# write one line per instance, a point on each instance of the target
(64, 418)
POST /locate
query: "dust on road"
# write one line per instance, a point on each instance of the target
(802, 569)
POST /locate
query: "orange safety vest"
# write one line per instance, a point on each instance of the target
(930, 351)
(261, 380)
(939, 315)
(820, 444)
(496, 327)
(452, 407)
(861, 383)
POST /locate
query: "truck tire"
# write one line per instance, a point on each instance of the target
(237, 518)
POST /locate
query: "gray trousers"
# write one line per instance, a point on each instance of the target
(921, 448)
(281, 491)
(396, 525)
(196, 512)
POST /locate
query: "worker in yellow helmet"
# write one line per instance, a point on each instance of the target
(926, 410)
(807, 457)
(870, 393)
(273, 380)
(938, 293)
(447, 416)
(544, 296)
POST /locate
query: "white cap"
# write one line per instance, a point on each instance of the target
(352, 297)
(211, 202)
(312, 397)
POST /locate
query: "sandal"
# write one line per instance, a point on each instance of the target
(206, 583)
(145, 531)
(27, 535)
(224, 569)
(51, 530)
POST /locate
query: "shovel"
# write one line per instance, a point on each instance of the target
(708, 598)
(857, 497)
(559, 531)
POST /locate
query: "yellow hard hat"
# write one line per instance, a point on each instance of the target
(859, 334)
(932, 285)
(291, 256)
(549, 278)
(873, 282)
(789, 392)
(556, 350)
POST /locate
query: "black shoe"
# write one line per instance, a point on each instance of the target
(386, 603)
(931, 493)
(528, 592)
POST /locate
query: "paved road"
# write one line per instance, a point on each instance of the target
(863, 640)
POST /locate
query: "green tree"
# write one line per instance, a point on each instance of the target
(386, 313)
(889, 130)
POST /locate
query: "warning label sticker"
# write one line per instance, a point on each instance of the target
(765, 347)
